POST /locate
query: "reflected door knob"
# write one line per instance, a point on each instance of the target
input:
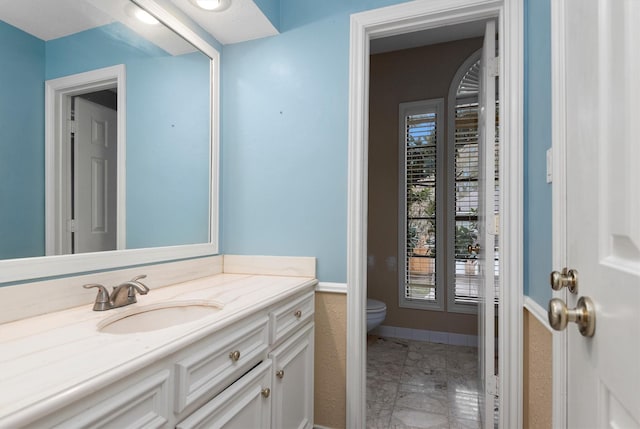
(565, 278)
(584, 315)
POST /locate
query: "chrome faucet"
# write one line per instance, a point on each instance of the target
(121, 295)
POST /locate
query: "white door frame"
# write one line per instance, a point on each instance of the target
(57, 93)
(404, 18)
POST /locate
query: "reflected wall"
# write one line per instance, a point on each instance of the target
(168, 128)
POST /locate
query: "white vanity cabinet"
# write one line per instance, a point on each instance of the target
(256, 372)
(278, 393)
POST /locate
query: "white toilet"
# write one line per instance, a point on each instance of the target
(376, 312)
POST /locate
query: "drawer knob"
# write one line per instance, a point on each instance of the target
(266, 392)
(280, 373)
(298, 314)
(235, 355)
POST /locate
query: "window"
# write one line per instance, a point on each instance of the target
(421, 143)
(439, 198)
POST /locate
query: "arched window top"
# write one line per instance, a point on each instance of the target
(470, 82)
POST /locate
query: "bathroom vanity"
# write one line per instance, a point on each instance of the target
(226, 350)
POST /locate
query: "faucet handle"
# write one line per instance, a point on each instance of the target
(102, 299)
(144, 288)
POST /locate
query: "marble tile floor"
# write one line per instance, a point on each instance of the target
(416, 384)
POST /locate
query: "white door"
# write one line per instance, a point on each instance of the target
(95, 179)
(486, 226)
(601, 59)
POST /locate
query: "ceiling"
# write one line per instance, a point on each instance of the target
(431, 36)
(242, 21)
(51, 19)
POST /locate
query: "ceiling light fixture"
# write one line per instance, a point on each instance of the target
(146, 17)
(141, 14)
(212, 5)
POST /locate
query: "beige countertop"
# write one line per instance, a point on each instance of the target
(52, 360)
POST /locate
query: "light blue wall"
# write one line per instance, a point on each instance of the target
(21, 144)
(167, 151)
(284, 140)
(284, 137)
(537, 139)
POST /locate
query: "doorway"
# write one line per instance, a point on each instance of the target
(424, 260)
(407, 18)
(85, 162)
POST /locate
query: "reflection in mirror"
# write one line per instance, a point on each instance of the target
(128, 156)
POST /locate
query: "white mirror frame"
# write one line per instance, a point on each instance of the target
(15, 270)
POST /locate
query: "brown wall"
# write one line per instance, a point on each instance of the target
(330, 360)
(537, 370)
(397, 77)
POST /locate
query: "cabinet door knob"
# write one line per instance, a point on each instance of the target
(266, 392)
(280, 373)
(298, 314)
(235, 355)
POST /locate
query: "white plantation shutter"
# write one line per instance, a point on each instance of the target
(420, 122)
(466, 201)
(466, 163)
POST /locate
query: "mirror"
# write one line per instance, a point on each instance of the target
(153, 86)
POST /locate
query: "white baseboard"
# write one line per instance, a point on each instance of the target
(426, 335)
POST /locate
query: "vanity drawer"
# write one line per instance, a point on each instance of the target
(217, 361)
(290, 316)
(245, 404)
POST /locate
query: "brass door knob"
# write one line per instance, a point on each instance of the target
(473, 249)
(235, 355)
(566, 278)
(298, 314)
(280, 373)
(584, 315)
(266, 392)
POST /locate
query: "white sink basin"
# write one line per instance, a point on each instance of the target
(157, 316)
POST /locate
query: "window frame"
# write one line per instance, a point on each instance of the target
(405, 109)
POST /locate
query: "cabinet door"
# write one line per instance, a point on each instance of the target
(293, 381)
(142, 404)
(244, 404)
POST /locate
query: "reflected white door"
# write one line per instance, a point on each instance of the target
(95, 177)
(486, 226)
(602, 132)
